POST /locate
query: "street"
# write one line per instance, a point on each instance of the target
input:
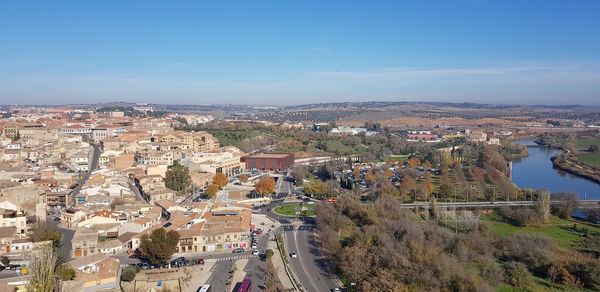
(310, 268)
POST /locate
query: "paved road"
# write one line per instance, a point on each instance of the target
(93, 164)
(310, 267)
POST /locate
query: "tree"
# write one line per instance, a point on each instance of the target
(370, 178)
(413, 162)
(269, 254)
(212, 190)
(408, 184)
(315, 188)
(129, 273)
(65, 273)
(47, 231)
(178, 178)
(427, 185)
(445, 189)
(299, 174)
(543, 206)
(243, 178)
(4, 260)
(41, 270)
(265, 186)
(160, 245)
(517, 275)
(220, 180)
(567, 204)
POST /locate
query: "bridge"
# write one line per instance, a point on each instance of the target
(492, 204)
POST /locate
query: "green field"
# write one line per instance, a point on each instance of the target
(307, 210)
(584, 155)
(559, 230)
(398, 158)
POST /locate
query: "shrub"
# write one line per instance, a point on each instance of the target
(65, 273)
(129, 273)
(519, 216)
(567, 205)
(537, 252)
(517, 275)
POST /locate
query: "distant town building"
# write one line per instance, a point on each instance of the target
(268, 161)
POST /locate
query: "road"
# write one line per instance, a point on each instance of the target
(93, 164)
(312, 270)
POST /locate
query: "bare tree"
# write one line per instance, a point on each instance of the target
(543, 205)
(42, 270)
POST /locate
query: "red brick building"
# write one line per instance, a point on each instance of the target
(268, 161)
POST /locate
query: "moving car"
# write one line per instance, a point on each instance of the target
(255, 252)
(293, 255)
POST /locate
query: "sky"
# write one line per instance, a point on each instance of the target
(296, 52)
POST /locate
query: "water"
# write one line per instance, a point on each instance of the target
(537, 172)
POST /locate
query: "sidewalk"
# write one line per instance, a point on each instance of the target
(239, 274)
(279, 266)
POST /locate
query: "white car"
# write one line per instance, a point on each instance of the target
(254, 245)
(255, 252)
(294, 255)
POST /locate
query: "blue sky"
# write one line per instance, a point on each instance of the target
(291, 52)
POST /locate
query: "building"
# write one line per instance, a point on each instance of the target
(14, 218)
(84, 242)
(268, 161)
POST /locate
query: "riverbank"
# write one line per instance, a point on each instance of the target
(566, 163)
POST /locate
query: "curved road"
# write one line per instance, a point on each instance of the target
(310, 268)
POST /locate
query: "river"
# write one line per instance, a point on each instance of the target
(537, 172)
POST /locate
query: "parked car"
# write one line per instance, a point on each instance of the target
(179, 262)
(238, 250)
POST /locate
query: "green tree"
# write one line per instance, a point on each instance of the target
(594, 148)
(65, 273)
(178, 178)
(269, 254)
(160, 245)
(517, 275)
(129, 273)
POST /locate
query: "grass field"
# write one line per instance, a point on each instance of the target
(398, 158)
(559, 230)
(584, 155)
(307, 210)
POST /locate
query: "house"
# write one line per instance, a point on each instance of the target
(14, 218)
(95, 270)
(84, 242)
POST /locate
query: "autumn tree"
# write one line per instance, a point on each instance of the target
(178, 178)
(265, 186)
(160, 245)
(387, 174)
(243, 178)
(427, 185)
(220, 179)
(566, 204)
(315, 188)
(370, 178)
(212, 190)
(408, 184)
(413, 162)
(427, 165)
